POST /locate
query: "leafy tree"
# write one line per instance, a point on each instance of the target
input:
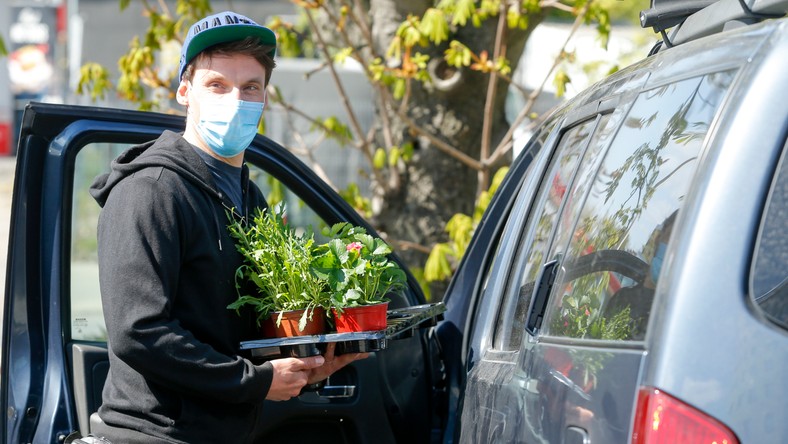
(440, 71)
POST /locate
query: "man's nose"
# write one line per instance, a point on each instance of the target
(235, 93)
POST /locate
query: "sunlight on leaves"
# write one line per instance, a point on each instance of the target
(458, 55)
(94, 78)
(435, 26)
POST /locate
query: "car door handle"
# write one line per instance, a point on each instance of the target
(539, 302)
(337, 391)
(532, 386)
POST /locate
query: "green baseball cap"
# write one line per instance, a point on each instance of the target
(223, 27)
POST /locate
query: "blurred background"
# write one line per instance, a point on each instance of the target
(47, 42)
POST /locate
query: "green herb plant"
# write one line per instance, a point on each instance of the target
(278, 264)
(356, 268)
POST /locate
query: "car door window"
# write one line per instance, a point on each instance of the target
(613, 260)
(536, 235)
(769, 277)
(86, 317)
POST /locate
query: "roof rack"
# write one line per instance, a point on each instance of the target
(665, 14)
(693, 19)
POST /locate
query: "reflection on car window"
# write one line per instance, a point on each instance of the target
(770, 271)
(613, 260)
(535, 241)
(87, 320)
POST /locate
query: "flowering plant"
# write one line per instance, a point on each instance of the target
(355, 267)
(278, 264)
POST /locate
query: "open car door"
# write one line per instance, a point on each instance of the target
(54, 358)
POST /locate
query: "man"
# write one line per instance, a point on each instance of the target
(167, 263)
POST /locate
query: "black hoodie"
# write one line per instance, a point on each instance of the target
(167, 267)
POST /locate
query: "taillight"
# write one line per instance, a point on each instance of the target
(663, 419)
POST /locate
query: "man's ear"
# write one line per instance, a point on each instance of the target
(181, 94)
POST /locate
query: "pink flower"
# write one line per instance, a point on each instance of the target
(355, 246)
(588, 313)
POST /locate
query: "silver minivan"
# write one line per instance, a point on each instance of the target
(638, 290)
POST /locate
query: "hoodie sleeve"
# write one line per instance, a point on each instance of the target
(139, 264)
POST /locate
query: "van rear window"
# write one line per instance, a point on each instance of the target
(769, 277)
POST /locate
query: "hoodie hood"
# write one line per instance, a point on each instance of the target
(170, 151)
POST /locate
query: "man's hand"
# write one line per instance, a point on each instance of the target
(333, 363)
(292, 374)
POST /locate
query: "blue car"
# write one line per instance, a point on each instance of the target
(627, 284)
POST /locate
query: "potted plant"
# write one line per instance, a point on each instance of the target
(359, 275)
(276, 278)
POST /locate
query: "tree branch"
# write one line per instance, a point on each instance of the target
(365, 149)
(483, 180)
(505, 146)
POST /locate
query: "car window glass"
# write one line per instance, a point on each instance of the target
(769, 277)
(616, 247)
(536, 235)
(86, 319)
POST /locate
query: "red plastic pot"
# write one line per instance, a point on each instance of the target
(363, 318)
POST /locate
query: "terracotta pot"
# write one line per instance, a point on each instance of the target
(364, 318)
(268, 326)
(289, 325)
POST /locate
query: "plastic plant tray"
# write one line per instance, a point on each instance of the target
(400, 323)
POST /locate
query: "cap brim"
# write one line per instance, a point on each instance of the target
(223, 34)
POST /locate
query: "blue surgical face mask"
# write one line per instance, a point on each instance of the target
(228, 126)
(656, 262)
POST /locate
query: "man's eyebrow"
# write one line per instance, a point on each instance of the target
(213, 75)
(254, 80)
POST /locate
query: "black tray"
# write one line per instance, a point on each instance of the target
(400, 323)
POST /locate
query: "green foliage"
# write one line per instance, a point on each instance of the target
(581, 317)
(560, 81)
(283, 270)
(438, 267)
(343, 54)
(444, 256)
(352, 195)
(379, 161)
(276, 194)
(334, 128)
(615, 328)
(139, 74)
(458, 55)
(3, 50)
(95, 79)
(599, 15)
(356, 268)
(434, 26)
(277, 264)
(460, 10)
(132, 66)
